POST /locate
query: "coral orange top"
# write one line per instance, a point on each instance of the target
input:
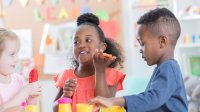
(85, 86)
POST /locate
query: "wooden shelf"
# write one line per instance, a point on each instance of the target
(189, 45)
(150, 5)
(194, 17)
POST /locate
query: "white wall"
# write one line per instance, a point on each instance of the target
(48, 94)
(137, 71)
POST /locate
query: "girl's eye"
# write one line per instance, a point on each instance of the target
(88, 40)
(12, 54)
(142, 44)
(75, 42)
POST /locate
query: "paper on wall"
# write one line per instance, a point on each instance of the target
(54, 63)
(25, 36)
(57, 37)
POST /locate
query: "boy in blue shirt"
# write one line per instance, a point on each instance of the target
(158, 33)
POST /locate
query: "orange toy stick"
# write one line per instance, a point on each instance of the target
(106, 56)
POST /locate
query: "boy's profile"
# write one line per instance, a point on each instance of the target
(158, 33)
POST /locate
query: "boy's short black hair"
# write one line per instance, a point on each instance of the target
(162, 21)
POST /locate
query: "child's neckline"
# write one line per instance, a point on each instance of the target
(89, 76)
(82, 77)
(165, 62)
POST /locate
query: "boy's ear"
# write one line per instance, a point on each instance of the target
(103, 46)
(162, 41)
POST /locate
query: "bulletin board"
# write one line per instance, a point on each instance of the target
(21, 14)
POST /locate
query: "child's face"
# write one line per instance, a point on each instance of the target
(9, 57)
(149, 45)
(85, 41)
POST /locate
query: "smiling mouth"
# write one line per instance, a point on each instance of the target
(83, 52)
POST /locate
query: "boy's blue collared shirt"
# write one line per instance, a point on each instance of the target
(164, 93)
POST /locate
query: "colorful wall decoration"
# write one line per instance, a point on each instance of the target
(34, 14)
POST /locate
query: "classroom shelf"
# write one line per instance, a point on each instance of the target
(189, 45)
(149, 6)
(193, 17)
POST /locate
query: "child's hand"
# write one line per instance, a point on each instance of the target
(69, 88)
(32, 100)
(102, 60)
(33, 89)
(102, 102)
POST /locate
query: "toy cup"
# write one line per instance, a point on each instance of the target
(84, 108)
(64, 105)
(113, 109)
(31, 108)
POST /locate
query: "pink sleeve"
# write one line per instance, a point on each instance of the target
(20, 80)
(1, 100)
(114, 77)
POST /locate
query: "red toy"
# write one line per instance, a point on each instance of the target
(33, 76)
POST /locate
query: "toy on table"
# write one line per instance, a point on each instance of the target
(64, 105)
(84, 108)
(33, 77)
(31, 108)
(113, 109)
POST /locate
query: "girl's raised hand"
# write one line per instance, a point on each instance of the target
(102, 60)
(69, 88)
